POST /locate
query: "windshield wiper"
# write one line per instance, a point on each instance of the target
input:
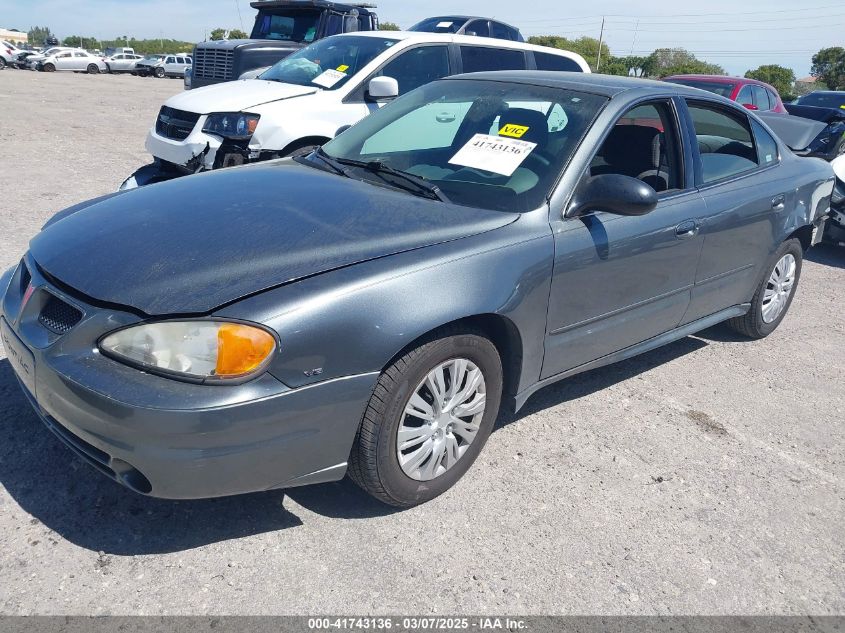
(418, 185)
(332, 162)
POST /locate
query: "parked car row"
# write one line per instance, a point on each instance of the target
(63, 58)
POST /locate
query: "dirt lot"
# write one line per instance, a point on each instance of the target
(705, 477)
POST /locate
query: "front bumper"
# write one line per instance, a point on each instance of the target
(197, 152)
(166, 438)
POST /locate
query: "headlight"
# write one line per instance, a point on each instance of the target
(233, 125)
(206, 350)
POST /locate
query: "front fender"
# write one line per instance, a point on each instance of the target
(355, 320)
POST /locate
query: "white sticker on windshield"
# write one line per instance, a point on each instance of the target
(493, 153)
(444, 25)
(329, 78)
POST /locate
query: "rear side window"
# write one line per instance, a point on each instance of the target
(547, 61)
(761, 98)
(767, 147)
(481, 58)
(725, 141)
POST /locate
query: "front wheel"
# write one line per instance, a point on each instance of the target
(774, 295)
(2, 63)
(159, 72)
(48, 68)
(428, 419)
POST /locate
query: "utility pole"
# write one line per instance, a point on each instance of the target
(601, 43)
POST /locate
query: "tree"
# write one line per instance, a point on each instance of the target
(217, 34)
(237, 34)
(38, 35)
(388, 26)
(77, 41)
(677, 61)
(628, 66)
(829, 67)
(223, 34)
(776, 76)
(586, 47)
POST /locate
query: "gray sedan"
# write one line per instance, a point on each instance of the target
(371, 307)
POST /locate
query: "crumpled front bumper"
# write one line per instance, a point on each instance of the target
(162, 437)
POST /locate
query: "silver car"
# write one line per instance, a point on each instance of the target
(123, 63)
(164, 65)
(76, 60)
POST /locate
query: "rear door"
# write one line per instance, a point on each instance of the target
(746, 195)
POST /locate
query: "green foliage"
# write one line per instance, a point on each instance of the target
(150, 47)
(587, 47)
(677, 61)
(38, 35)
(388, 26)
(88, 43)
(628, 66)
(776, 76)
(829, 67)
(234, 34)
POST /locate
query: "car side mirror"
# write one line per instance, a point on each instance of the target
(342, 129)
(613, 193)
(383, 89)
(750, 106)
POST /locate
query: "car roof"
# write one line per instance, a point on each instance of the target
(604, 85)
(424, 37)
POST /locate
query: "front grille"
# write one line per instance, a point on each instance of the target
(175, 124)
(213, 63)
(59, 317)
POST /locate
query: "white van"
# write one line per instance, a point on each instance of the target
(301, 102)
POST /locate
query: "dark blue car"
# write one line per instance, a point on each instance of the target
(370, 308)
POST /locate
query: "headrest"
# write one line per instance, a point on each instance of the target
(538, 126)
(631, 144)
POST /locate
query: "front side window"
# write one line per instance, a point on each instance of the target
(418, 66)
(503, 32)
(80, 55)
(745, 96)
(483, 58)
(483, 143)
(170, 60)
(328, 63)
(724, 140)
(644, 144)
(292, 26)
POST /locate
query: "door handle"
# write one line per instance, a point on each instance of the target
(778, 203)
(445, 117)
(688, 229)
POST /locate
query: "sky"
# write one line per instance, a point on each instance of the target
(737, 35)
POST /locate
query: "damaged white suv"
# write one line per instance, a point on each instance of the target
(301, 102)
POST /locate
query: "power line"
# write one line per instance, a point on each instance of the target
(698, 15)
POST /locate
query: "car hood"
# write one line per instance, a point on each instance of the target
(190, 245)
(235, 96)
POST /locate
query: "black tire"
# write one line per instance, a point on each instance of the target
(159, 73)
(48, 68)
(2, 63)
(93, 69)
(752, 324)
(374, 463)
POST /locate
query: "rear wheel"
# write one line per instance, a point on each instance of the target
(93, 69)
(428, 419)
(774, 295)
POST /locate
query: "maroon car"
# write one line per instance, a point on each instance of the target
(753, 94)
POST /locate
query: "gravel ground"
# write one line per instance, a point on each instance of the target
(703, 478)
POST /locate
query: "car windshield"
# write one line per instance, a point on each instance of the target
(823, 100)
(445, 24)
(328, 63)
(291, 26)
(488, 144)
(716, 87)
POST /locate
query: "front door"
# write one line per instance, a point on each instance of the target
(620, 280)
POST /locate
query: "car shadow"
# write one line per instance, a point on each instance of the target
(828, 255)
(91, 511)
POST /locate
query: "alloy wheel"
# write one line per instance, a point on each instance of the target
(441, 419)
(779, 288)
